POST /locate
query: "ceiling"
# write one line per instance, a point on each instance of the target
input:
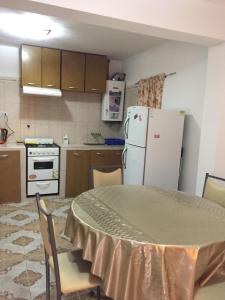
(116, 44)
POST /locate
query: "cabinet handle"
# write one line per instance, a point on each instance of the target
(30, 83)
(72, 87)
(100, 153)
(76, 154)
(94, 89)
(118, 153)
(2, 156)
(50, 85)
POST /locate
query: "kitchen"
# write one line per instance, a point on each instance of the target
(76, 116)
(38, 110)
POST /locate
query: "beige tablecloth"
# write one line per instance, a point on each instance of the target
(147, 243)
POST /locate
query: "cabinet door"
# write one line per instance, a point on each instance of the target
(31, 65)
(50, 68)
(115, 157)
(95, 73)
(10, 186)
(99, 157)
(77, 172)
(72, 75)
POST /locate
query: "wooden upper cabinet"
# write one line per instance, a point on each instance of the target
(50, 68)
(95, 73)
(31, 65)
(72, 74)
(72, 71)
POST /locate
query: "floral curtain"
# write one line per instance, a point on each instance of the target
(150, 91)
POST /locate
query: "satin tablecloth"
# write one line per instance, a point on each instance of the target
(147, 243)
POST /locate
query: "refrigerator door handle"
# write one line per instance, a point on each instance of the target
(124, 157)
(126, 127)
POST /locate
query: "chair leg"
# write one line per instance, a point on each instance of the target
(98, 293)
(58, 292)
(47, 281)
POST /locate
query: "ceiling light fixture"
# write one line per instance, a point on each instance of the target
(30, 26)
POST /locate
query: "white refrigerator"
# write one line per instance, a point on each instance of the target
(153, 144)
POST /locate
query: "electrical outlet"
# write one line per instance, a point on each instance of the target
(3, 114)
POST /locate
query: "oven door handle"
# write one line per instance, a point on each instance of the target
(41, 159)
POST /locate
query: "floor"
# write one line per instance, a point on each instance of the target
(22, 269)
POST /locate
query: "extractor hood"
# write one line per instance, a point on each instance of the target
(32, 90)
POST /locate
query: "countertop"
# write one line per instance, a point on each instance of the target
(92, 147)
(11, 146)
(15, 146)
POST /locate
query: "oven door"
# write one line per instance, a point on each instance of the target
(43, 168)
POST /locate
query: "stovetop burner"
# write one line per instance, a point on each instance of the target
(42, 145)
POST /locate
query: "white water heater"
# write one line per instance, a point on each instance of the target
(113, 100)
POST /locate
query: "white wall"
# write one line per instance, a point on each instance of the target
(115, 66)
(184, 20)
(183, 91)
(212, 146)
(9, 61)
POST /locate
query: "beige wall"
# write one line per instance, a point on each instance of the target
(75, 114)
(212, 145)
(187, 20)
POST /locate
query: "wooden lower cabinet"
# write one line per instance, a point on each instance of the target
(115, 157)
(10, 181)
(99, 157)
(78, 166)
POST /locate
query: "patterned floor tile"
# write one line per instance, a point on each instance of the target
(14, 283)
(22, 242)
(19, 217)
(22, 264)
(7, 230)
(8, 260)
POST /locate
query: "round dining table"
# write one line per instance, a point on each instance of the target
(147, 243)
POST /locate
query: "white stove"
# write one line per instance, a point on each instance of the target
(43, 161)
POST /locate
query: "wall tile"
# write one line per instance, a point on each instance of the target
(75, 114)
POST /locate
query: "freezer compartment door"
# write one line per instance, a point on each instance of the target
(135, 126)
(164, 143)
(133, 164)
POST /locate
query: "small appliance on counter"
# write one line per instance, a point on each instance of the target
(42, 166)
(112, 102)
(3, 135)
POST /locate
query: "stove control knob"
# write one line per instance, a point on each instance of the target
(30, 152)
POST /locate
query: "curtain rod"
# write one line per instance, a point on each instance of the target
(170, 74)
(134, 86)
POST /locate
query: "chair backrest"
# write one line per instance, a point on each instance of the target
(105, 175)
(48, 236)
(214, 189)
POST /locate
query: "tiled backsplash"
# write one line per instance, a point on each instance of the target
(75, 114)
